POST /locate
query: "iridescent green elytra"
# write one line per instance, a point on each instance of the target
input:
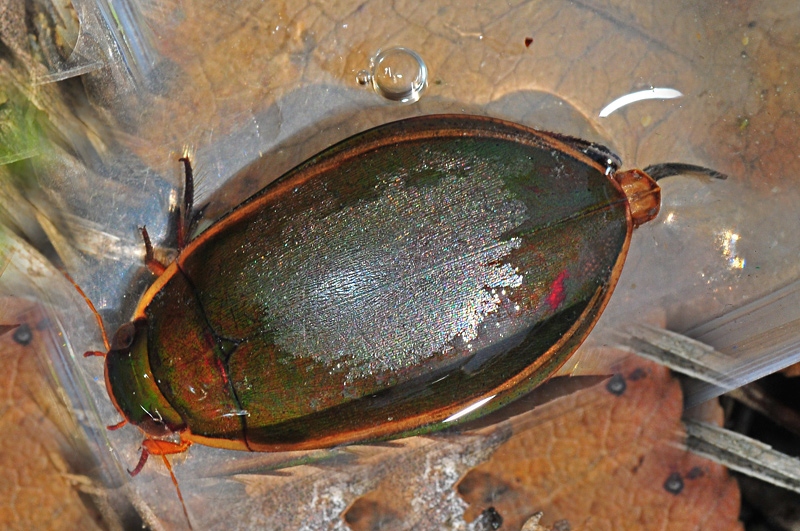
(382, 287)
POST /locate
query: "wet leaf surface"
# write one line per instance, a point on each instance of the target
(233, 82)
(605, 458)
(38, 487)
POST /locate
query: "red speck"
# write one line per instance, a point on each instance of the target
(557, 292)
(528, 42)
(221, 370)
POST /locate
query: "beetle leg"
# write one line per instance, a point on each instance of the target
(644, 195)
(140, 464)
(118, 425)
(155, 267)
(668, 169)
(163, 448)
(158, 447)
(185, 223)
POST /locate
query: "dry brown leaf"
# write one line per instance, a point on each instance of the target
(608, 458)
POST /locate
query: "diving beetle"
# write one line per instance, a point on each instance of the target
(382, 288)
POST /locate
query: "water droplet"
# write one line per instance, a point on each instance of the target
(23, 335)
(399, 74)
(363, 77)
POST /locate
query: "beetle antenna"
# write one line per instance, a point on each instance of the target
(668, 169)
(96, 314)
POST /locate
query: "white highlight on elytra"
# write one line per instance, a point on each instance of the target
(633, 97)
(469, 409)
(385, 284)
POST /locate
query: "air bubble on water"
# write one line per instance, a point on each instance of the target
(363, 77)
(398, 74)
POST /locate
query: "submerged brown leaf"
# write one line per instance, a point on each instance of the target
(37, 488)
(606, 458)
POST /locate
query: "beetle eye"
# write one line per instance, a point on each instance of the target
(124, 337)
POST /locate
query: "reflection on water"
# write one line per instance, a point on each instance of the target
(633, 97)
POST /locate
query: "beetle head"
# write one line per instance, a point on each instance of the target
(131, 384)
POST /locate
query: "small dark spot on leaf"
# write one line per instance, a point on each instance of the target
(367, 515)
(467, 486)
(528, 42)
(480, 487)
(482, 490)
(23, 335)
(637, 375)
(674, 484)
(562, 525)
(695, 473)
(638, 465)
(616, 385)
(493, 518)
